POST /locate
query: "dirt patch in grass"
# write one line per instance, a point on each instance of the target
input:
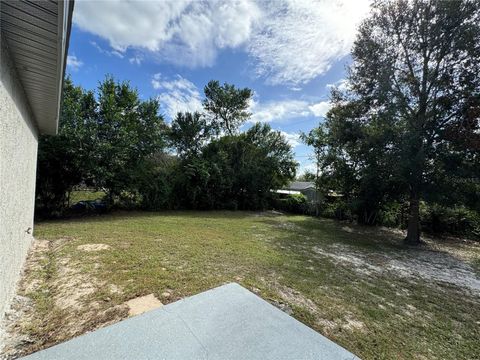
(432, 266)
(93, 247)
(55, 302)
(296, 298)
(72, 287)
(142, 304)
(295, 302)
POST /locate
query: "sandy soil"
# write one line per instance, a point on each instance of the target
(141, 304)
(66, 295)
(448, 266)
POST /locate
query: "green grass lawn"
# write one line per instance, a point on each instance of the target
(85, 195)
(349, 283)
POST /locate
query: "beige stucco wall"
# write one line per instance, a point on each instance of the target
(18, 158)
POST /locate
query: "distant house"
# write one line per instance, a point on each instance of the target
(306, 188)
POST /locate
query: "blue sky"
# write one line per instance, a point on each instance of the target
(290, 52)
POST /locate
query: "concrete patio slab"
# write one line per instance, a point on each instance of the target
(228, 322)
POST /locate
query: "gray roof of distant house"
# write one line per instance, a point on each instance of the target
(300, 185)
(37, 34)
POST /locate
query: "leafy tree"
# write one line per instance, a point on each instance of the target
(235, 172)
(192, 184)
(156, 181)
(112, 140)
(128, 131)
(307, 176)
(248, 166)
(60, 164)
(274, 147)
(227, 106)
(188, 133)
(414, 91)
(57, 174)
(102, 142)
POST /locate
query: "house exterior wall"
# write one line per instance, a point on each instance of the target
(312, 195)
(18, 158)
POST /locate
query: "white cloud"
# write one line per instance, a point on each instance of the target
(292, 138)
(129, 23)
(320, 109)
(105, 51)
(177, 95)
(278, 110)
(289, 41)
(117, 54)
(74, 63)
(156, 81)
(341, 85)
(98, 47)
(186, 32)
(301, 39)
(284, 110)
(136, 59)
(180, 94)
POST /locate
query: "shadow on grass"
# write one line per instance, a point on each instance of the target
(327, 232)
(125, 215)
(375, 250)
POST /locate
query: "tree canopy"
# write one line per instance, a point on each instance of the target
(408, 124)
(103, 139)
(226, 105)
(112, 141)
(189, 132)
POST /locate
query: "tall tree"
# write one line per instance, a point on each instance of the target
(103, 141)
(316, 138)
(188, 133)
(226, 105)
(244, 168)
(235, 171)
(414, 81)
(65, 160)
(128, 131)
(279, 157)
(308, 176)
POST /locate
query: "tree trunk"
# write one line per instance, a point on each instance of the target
(317, 205)
(416, 183)
(413, 230)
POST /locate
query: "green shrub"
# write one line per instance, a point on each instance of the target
(393, 214)
(155, 192)
(293, 203)
(455, 220)
(328, 210)
(338, 209)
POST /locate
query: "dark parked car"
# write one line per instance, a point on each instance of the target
(89, 206)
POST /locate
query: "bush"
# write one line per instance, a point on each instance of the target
(456, 221)
(294, 203)
(156, 196)
(155, 192)
(394, 214)
(338, 209)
